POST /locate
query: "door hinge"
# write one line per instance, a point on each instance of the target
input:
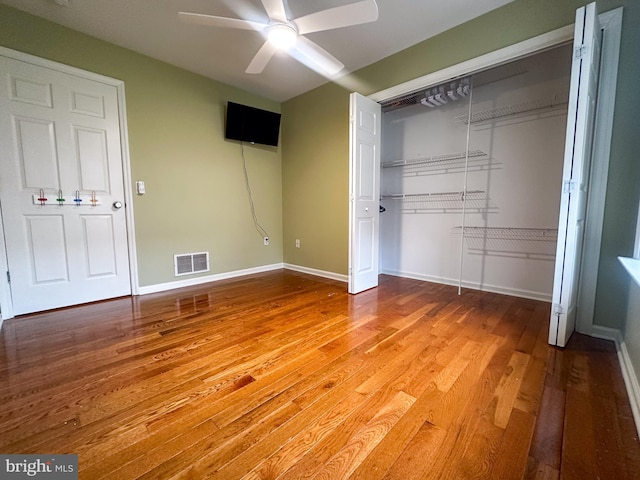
(557, 309)
(579, 52)
(569, 186)
(8, 277)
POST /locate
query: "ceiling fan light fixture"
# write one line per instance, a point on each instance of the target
(282, 36)
(289, 35)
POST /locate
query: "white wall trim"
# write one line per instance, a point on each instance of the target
(6, 307)
(6, 304)
(630, 381)
(60, 67)
(628, 372)
(489, 60)
(514, 292)
(128, 191)
(632, 265)
(163, 287)
(190, 282)
(611, 23)
(318, 273)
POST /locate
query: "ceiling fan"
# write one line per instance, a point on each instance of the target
(287, 34)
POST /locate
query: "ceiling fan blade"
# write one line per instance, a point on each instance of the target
(225, 22)
(275, 10)
(261, 58)
(315, 57)
(364, 11)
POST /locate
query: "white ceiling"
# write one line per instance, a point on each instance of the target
(152, 27)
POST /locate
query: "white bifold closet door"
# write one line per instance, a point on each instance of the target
(577, 160)
(364, 193)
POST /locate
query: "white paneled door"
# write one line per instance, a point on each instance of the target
(61, 188)
(364, 193)
(577, 161)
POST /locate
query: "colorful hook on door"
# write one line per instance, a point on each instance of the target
(42, 199)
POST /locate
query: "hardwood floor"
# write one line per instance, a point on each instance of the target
(284, 375)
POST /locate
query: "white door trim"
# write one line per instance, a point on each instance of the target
(483, 62)
(611, 23)
(6, 308)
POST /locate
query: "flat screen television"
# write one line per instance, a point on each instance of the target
(252, 125)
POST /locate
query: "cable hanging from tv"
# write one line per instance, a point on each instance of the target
(256, 223)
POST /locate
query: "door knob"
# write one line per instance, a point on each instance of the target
(117, 205)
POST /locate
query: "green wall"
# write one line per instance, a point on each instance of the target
(315, 180)
(196, 198)
(315, 133)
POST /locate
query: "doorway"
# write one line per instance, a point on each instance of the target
(611, 28)
(66, 221)
(471, 178)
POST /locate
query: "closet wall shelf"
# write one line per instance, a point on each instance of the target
(514, 109)
(435, 196)
(510, 233)
(473, 201)
(440, 161)
(526, 243)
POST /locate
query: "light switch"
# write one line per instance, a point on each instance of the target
(140, 187)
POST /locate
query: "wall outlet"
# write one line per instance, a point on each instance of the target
(297, 243)
(266, 240)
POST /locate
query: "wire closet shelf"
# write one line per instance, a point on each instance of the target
(554, 101)
(530, 243)
(442, 201)
(443, 161)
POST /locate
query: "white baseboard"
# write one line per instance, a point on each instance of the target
(631, 382)
(162, 287)
(606, 333)
(514, 292)
(628, 372)
(318, 273)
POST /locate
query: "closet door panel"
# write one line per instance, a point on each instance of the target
(577, 162)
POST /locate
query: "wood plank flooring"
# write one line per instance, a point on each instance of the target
(284, 375)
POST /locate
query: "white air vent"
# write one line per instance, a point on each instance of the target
(188, 263)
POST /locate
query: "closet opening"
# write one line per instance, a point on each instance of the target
(471, 177)
(411, 221)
